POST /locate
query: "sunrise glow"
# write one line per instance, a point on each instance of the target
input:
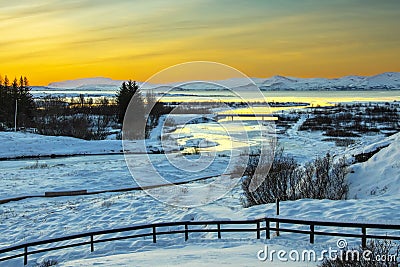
(52, 40)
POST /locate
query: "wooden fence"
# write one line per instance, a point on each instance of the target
(222, 226)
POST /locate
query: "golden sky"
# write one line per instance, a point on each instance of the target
(52, 40)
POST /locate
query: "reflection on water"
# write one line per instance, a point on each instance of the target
(314, 98)
(209, 131)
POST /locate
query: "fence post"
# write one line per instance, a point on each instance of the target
(311, 233)
(186, 232)
(219, 231)
(364, 237)
(277, 206)
(26, 255)
(91, 243)
(267, 233)
(154, 235)
(277, 214)
(258, 230)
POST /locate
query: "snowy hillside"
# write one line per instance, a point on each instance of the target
(380, 175)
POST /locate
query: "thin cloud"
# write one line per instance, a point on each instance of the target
(66, 34)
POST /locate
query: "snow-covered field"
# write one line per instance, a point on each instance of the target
(29, 220)
(13, 145)
(91, 173)
(375, 183)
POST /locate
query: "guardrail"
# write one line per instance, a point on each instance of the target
(186, 227)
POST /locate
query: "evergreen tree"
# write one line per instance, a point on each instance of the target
(17, 92)
(6, 81)
(129, 91)
(2, 96)
(122, 100)
(26, 103)
(129, 95)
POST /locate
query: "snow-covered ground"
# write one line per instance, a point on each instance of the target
(19, 144)
(238, 253)
(93, 173)
(41, 218)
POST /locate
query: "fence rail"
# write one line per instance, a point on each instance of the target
(259, 225)
(118, 190)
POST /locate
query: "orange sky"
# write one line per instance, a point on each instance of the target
(52, 40)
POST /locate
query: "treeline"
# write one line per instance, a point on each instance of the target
(81, 117)
(16, 95)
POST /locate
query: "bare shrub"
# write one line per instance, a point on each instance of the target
(36, 165)
(78, 126)
(340, 133)
(107, 204)
(343, 142)
(47, 263)
(383, 254)
(280, 182)
(323, 178)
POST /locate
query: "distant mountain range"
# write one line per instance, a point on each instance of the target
(384, 81)
(86, 83)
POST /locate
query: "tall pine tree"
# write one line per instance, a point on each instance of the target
(16, 93)
(129, 94)
(129, 91)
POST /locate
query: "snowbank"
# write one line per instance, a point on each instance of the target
(380, 175)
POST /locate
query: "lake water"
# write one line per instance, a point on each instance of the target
(312, 97)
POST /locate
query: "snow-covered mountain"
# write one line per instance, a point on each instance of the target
(96, 82)
(384, 81)
(388, 80)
